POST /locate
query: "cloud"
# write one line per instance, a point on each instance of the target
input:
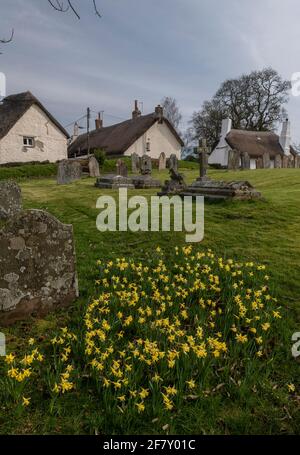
(145, 50)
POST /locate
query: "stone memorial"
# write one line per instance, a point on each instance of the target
(37, 266)
(278, 162)
(68, 172)
(146, 165)
(174, 186)
(112, 182)
(10, 199)
(259, 163)
(173, 162)
(285, 162)
(233, 160)
(162, 162)
(297, 161)
(135, 163)
(266, 160)
(245, 161)
(94, 169)
(215, 190)
(122, 168)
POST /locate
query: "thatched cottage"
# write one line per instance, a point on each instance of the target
(143, 134)
(28, 132)
(256, 145)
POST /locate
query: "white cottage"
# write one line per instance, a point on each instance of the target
(255, 143)
(149, 134)
(28, 132)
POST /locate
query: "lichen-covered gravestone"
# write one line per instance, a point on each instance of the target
(122, 168)
(173, 162)
(10, 199)
(233, 160)
(278, 162)
(146, 165)
(266, 160)
(135, 163)
(37, 266)
(94, 169)
(68, 172)
(162, 162)
(245, 161)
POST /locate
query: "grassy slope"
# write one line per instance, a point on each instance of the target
(265, 231)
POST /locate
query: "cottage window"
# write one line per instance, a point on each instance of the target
(28, 141)
(148, 146)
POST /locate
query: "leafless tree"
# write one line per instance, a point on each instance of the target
(64, 6)
(253, 102)
(171, 111)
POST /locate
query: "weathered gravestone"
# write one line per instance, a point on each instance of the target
(278, 162)
(68, 171)
(2, 345)
(94, 169)
(297, 161)
(259, 163)
(266, 160)
(173, 162)
(291, 161)
(233, 160)
(135, 163)
(285, 162)
(245, 160)
(37, 266)
(10, 199)
(122, 168)
(162, 162)
(146, 165)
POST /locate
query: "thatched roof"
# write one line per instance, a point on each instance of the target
(14, 107)
(116, 139)
(255, 143)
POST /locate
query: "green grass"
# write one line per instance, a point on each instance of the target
(28, 171)
(265, 231)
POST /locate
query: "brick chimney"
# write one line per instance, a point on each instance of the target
(99, 122)
(285, 137)
(136, 113)
(159, 111)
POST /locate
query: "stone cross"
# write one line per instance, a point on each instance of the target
(203, 151)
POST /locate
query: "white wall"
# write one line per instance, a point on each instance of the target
(219, 156)
(161, 140)
(50, 142)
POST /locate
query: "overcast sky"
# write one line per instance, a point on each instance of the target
(145, 49)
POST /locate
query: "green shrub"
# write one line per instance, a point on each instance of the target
(28, 171)
(100, 156)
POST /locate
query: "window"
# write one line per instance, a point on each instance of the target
(28, 141)
(148, 146)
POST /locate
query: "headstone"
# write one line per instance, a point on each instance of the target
(122, 168)
(278, 162)
(233, 160)
(174, 186)
(203, 159)
(146, 165)
(10, 199)
(37, 266)
(94, 169)
(245, 161)
(162, 162)
(297, 161)
(259, 163)
(173, 162)
(2, 345)
(135, 163)
(291, 161)
(285, 162)
(68, 172)
(266, 160)
(112, 181)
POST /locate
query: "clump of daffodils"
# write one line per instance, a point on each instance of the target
(158, 332)
(157, 328)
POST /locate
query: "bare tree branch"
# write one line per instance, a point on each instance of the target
(58, 5)
(9, 40)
